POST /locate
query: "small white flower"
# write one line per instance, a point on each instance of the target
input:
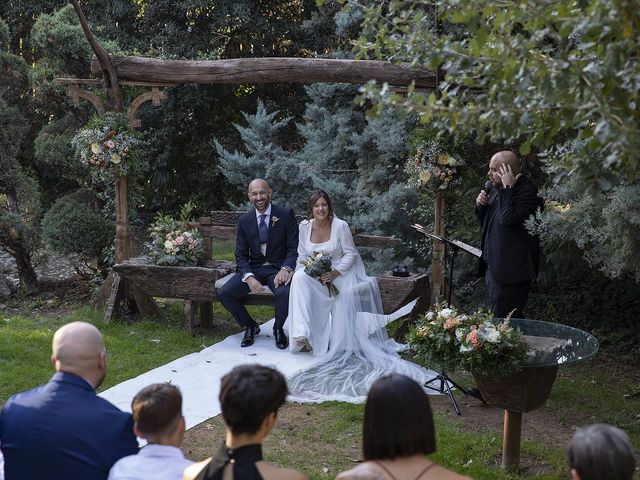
(492, 336)
(430, 315)
(447, 312)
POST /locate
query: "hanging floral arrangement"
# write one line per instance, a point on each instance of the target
(110, 148)
(433, 168)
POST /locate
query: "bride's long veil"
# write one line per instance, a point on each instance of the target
(360, 350)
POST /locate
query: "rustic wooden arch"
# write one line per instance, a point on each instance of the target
(156, 96)
(117, 71)
(76, 93)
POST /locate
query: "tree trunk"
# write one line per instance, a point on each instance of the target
(265, 70)
(13, 242)
(26, 273)
(12, 235)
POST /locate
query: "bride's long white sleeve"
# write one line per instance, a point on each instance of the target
(349, 250)
(302, 251)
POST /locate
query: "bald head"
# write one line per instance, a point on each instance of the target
(259, 194)
(78, 348)
(507, 157)
(258, 183)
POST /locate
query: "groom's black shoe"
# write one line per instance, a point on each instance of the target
(282, 341)
(249, 333)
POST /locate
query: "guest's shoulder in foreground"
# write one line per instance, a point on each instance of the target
(267, 471)
(370, 471)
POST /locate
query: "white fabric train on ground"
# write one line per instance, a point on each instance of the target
(198, 374)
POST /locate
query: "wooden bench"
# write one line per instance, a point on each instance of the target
(196, 285)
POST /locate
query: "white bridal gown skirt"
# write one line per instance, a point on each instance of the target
(312, 311)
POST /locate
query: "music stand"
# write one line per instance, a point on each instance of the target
(454, 247)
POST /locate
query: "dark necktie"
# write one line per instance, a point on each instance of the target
(262, 229)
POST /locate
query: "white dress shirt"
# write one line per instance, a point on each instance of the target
(263, 246)
(153, 462)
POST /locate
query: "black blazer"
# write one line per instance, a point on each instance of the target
(511, 253)
(282, 240)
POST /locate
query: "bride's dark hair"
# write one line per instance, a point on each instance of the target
(315, 196)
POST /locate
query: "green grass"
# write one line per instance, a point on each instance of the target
(324, 439)
(132, 348)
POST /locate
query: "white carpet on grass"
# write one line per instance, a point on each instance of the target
(198, 375)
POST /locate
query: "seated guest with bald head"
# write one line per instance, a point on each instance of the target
(157, 413)
(63, 430)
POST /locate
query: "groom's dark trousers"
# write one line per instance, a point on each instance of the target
(282, 250)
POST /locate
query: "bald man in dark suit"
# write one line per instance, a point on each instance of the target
(510, 254)
(63, 430)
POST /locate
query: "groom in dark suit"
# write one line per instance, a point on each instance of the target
(510, 254)
(266, 254)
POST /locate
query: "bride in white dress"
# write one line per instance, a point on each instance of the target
(346, 332)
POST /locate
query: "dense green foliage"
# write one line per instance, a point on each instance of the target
(542, 82)
(71, 226)
(557, 79)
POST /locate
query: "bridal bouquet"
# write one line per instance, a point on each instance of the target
(317, 265)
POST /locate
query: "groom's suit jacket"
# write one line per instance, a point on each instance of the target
(282, 240)
(62, 430)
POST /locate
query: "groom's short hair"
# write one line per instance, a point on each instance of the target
(249, 393)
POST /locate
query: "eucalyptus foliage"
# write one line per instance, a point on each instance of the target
(557, 79)
(540, 74)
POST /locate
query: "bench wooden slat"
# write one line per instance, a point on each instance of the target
(222, 226)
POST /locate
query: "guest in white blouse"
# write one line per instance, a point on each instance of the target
(157, 413)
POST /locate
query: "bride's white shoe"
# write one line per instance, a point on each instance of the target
(302, 345)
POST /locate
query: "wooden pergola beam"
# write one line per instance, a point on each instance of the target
(265, 70)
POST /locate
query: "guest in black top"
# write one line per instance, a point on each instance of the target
(250, 396)
(510, 254)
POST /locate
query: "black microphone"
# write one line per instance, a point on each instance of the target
(488, 185)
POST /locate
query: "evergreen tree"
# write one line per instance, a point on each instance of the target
(19, 208)
(357, 159)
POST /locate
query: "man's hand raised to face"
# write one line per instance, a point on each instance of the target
(505, 173)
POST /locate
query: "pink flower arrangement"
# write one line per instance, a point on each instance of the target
(451, 323)
(443, 338)
(432, 168)
(472, 338)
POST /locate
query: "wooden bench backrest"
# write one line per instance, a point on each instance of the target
(221, 225)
